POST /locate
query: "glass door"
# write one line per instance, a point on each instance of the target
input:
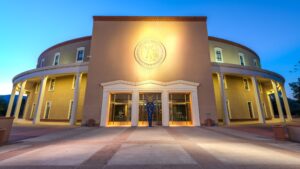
(143, 115)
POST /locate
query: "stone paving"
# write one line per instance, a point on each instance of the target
(147, 148)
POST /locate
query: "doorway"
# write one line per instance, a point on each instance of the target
(143, 115)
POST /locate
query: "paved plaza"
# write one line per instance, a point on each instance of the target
(146, 148)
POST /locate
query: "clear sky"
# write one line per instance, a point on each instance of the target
(269, 27)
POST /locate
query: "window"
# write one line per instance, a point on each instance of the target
(37, 87)
(180, 107)
(242, 59)
(225, 82)
(260, 87)
(74, 82)
(218, 55)
(52, 85)
(157, 114)
(120, 107)
(32, 111)
(56, 59)
(70, 109)
(246, 84)
(47, 110)
(265, 109)
(80, 54)
(42, 62)
(250, 110)
(228, 109)
(255, 62)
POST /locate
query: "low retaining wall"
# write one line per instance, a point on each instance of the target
(294, 132)
(5, 128)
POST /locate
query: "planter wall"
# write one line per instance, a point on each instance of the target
(294, 133)
(5, 128)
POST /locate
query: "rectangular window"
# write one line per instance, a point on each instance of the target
(120, 107)
(42, 62)
(225, 82)
(37, 87)
(265, 110)
(228, 109)
(260, 87)
(70, 109)
(47, 110)
(74, 82)
(246, 84)
(242, 59)
(218, 55)
(52, 85)
(32, 111)
(80, 54)
(255, 62)
(56, 59)
(250, 110)
(180, 107)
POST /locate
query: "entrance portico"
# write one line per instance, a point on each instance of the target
(161, 91)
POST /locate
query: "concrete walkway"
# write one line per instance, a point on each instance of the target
(157, 147)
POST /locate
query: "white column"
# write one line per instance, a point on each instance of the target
(135, 108)
(165, 108)
(195, 109)
(226, 120)
(104, 109)
(278, 102)
(75, 99)
(270, 106)
(11, 101)
(20, 98)
(37, 112)
(29, 95)
(286, 103)
(261, 116)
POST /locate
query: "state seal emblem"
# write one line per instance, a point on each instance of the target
(150, 53)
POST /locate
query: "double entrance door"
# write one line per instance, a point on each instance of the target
(144, 98)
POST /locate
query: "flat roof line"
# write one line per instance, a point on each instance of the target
(150, 18)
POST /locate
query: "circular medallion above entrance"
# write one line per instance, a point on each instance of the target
(150, 53)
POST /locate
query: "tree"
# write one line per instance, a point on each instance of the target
(295, 86)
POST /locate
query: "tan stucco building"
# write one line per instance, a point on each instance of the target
(110, 76)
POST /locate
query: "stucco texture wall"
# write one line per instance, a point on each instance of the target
(112, 51)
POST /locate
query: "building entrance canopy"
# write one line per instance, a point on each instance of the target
(169, 109)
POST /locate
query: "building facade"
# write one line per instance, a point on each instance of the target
(128, 61)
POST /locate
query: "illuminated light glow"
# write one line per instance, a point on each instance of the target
(150, 53)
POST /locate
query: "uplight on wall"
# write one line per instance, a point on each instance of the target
(150, 53)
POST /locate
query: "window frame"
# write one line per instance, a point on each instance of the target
(74, 82)
(71, 102)
(216, 56)
(45, 109)
(56, 55)
(37, 87)
(228, 109)
(80, 49)
(54, 81)
(252, 110)
(246, 85)
(42, 62)
(225, 82)
(242, 58)
(32, 110)
(255, 62)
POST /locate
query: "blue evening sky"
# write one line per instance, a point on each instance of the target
(269, 27)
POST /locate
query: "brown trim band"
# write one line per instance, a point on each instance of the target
(232, 43)
(150, 18)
